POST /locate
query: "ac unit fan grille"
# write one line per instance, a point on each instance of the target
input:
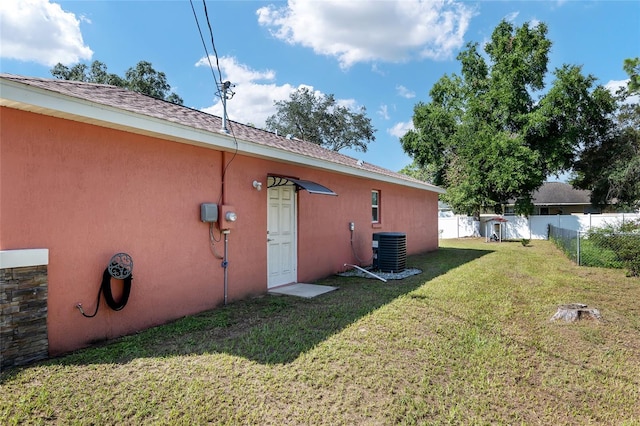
(391, 253)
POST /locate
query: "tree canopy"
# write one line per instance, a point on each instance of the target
(632, 68)
(424, 173)
(319, 119)
(142, 78)
(484, 135)
(610, 167)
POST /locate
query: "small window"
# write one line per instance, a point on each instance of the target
(375, 206)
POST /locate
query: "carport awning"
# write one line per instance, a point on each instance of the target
(307, 185)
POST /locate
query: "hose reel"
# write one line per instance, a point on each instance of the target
(120, 267)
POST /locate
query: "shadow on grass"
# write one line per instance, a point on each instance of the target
(272, 329)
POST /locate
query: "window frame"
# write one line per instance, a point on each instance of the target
(376, 207)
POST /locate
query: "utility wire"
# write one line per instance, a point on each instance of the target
(218, 81)
(206, 14)
(221, 92)
(204, 44)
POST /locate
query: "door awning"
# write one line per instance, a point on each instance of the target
(307, 185)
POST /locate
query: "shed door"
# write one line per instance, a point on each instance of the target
(281, 236)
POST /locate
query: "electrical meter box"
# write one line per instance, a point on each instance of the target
(227, 217)
(208, 212)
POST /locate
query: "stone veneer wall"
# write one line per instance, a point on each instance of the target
(23, 315)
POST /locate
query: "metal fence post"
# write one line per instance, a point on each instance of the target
(578, 248)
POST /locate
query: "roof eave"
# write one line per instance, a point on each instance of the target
(41, 101)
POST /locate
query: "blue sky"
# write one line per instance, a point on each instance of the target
(384, 55)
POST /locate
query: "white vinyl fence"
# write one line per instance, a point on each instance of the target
(458, 227)
(532, 228)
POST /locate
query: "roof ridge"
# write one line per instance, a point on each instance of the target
(58, 80)
(131, 101)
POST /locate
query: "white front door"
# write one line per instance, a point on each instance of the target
(281, 236)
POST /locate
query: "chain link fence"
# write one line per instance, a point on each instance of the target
(600, 247)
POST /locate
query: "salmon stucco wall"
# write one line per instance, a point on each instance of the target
(324, 238)
(325, 232)
(86, 192)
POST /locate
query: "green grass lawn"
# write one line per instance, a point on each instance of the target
(468, 341)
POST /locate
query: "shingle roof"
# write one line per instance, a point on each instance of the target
(558, 193)
(130, 101)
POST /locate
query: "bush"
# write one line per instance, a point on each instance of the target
(596, 256)
(623, 240)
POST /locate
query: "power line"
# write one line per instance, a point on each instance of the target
(204, 44)
(206, 15)
(223, 88)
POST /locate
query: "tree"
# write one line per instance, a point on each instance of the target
(632, 68)
(486, 136)
(319, 119)
(97, 73)
(610, 167)
(425, 174)
(622, 240)
(143, 78)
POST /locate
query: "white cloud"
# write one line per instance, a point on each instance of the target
(236, 72)
(614, 85)
(255, 92)
(367, 31)
(347, 103)
(376, 69)
(399, 129)
(511, 17)
(40, 31)
(383, 112)
(405, 93)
